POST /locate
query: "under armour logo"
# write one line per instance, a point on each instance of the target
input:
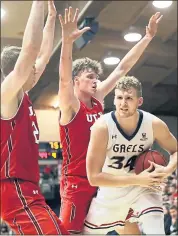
(74, 186)
(114, 136)
(143, 137)
(35, 191)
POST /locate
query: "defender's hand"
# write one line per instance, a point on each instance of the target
(152, 27)
(70, 31)
(51, 8)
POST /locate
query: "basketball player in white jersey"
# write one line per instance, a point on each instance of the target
(117, 138)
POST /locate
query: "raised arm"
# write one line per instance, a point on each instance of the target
(32, 39)
(46, 45)
(96, 156)
(130, 59)
(70, 33)
(168, 142)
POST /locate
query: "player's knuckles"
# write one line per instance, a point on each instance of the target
(157, 175)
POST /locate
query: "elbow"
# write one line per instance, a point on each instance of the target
(93, 181)
(32, 49)
(123, 69)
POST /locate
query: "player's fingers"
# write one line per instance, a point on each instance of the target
(151, 19)
(154, 164)
(165, 181)
(157, 15)
(150, 168)
(155, 182)
(157, 175)
(156, 188)
(66, 15)
(85, 29)
(159, 19)
(61, 20)
(75, 19)
(70, 14)
(163, 184)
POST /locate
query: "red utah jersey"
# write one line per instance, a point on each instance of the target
(19, 144)
(75, 138)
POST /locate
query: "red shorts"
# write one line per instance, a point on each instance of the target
(24, 209)
(76, 195)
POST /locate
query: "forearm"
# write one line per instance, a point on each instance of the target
(124, 66)
(172, 165)
(48, 38)
(34, 28)
(65, 66)
(133, 55)
(107, 180)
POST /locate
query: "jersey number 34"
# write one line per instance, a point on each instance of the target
(118, 162)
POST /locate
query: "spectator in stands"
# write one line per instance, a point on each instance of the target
(167, 219)
(175, 201)
(47, 170)
(172, 189)
(174, 219)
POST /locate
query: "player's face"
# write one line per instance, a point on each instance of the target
(173, 213)
(172, 189)
(87, 81)
(127, 102)
(175, 201)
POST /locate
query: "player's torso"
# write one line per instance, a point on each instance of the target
(123, 149)
(75, 138)
(121, 154)
(19, 144)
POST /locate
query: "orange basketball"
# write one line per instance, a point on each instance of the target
(142, 163)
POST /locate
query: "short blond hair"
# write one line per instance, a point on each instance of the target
(79, 65)
(127, 82)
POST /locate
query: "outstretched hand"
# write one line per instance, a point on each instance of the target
(152, 27)
(70, 31)
(51, 8)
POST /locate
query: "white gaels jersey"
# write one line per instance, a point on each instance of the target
(122, 149)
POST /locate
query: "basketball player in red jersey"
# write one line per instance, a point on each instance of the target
(23, 207)
(80, 105)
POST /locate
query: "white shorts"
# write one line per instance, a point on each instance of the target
(105, 215)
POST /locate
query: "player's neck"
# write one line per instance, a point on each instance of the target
(85, 98)
(129, 123)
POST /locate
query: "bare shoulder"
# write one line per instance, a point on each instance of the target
(160, 128)
(10, 108)
(158, 123)
(99, 125)
(99, 134)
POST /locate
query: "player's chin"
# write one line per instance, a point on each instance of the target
(124, 114)
(92, 92)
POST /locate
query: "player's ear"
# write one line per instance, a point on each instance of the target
(140, 101)
(76, 80)
(114, 100)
